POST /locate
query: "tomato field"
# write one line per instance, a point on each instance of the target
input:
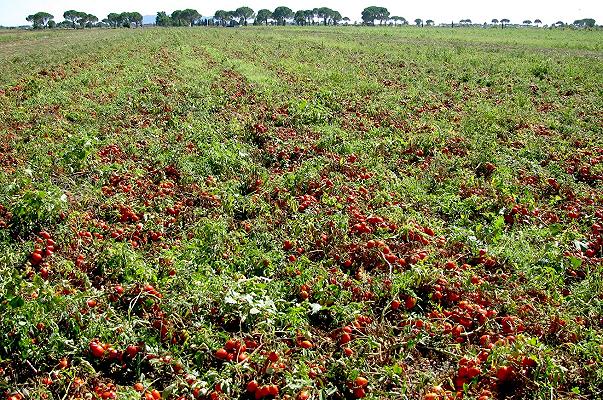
(301, 213)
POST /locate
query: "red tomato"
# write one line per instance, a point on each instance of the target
(252, 386)
(273, 390)
(97, 350)
(36, 258)
(222, 354)
(361, 381)
(303, 395)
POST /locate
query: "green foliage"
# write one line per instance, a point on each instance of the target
(262, 16)
(370, 14)
(169, 190)
(280, 14)
(37, 208)
(40, 20)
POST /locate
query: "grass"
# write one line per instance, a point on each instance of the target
(418, 207)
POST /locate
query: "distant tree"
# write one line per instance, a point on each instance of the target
(418, 22)
(88, 20)
(135, 18)
(51, 24)
(281, 14)
(559, 24)
(244, 14)
(584, 23)
(300, 17)
(370, 14)
(429, 22)
(309, 16)
(40, 20)
(162, 19)
(64, 24)
(114, 20)
(229, 16)
(346, 20)
(527, 22)
(537, 22)
(495, 21)
(178, 18)
(324, 13)
(73, 17)
(263, 16)
(220, 16)
(189, 16)
(504, 22)
(336, 17)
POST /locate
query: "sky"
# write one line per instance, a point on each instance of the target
(13, 12)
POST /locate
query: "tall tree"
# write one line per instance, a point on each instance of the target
(162, 19)
(397, 18)
(281, 14)
(537, 22)
(189, 16)
(244, 14)
(114, 20)
(40, 19)
(370, 14)
(73, 17)
(220, 16)
(136, 18)
(300, 17)
(309, 16)
(324, 13)
(177, 18)
(504, 22)
(229, 16)
(263, 16)
(88, 20)
(336, 17)
(315, 15)
(584, 23)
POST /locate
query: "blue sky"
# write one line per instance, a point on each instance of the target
(13, 12)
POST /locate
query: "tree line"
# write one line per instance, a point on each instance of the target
(243, 15)
(79, 19)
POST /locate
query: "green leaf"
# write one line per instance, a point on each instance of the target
(555, 229)
(17, 302)
(575, 262)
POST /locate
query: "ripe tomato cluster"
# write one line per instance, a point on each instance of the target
(234, 350)
(43, 251)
